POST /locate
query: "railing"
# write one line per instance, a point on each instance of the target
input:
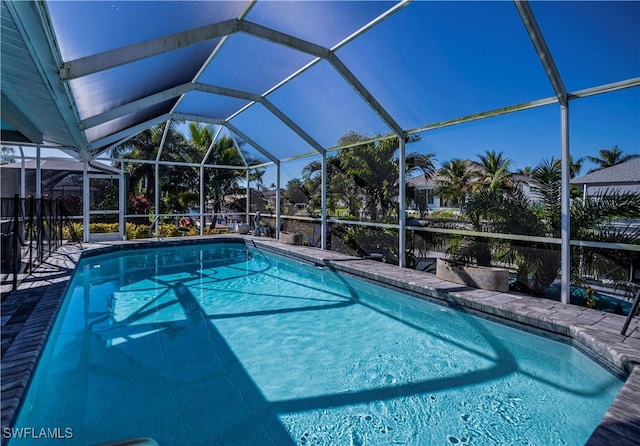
(32, 229)
(153, 225)
(631, 315)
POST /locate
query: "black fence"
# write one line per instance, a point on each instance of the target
(32, 229)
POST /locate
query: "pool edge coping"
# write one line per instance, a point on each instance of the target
(21, 358)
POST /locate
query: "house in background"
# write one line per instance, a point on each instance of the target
(424, 194)
(528, 186)
(59, 177)
(623, 177)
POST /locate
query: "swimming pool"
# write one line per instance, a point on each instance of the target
(226, 344)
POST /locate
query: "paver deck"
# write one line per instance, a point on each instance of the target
(28, 313)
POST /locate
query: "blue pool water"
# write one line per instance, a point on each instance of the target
(223, 344)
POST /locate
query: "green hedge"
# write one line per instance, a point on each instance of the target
(139, 231)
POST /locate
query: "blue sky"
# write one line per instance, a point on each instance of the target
(429, 62)
(445, 65)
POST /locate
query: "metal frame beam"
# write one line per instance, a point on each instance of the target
(278, 210)
(565, 205)
(327, 54)
(284, 39)
(120, 56)
(248, 139)
(131, 53)
(135, 106)
(266, 103)
(402, 205)
(127, 133)
(323, 204)
(180, 90)
(197, 118)
(210, 148)
(607, 88)
(162, 141)
(530, 23)
(292, 125)
(355, 83)
(175, 163)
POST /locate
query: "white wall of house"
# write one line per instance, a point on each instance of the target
(592, 190)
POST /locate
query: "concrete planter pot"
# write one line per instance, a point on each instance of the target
(290, 238)
(485, 278)
(243, 228)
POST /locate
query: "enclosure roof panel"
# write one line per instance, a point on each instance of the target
(90, 75)
(105, 26)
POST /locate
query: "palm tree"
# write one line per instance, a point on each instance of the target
(145, 146)
(218, 182)
(200, 136)
(6, 155)
(509, 212)
(312, 183)
(295, 191)
(547, 177)
(524, 171)
(341, 189)
(255, 175)
(537, 264)
(492, 171)
(610, 157)
(455, 181)
(375, 169)
(591, 220)
(574, 166)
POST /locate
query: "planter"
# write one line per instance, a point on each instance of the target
(483, 277)
(243, 228)
(290, 238)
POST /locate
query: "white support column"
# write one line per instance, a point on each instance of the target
(278, 222)
(202, 221)
(122, 203)
(156, 179)
(565, 250)
(85, 201)
(156, 198)
(38, 173)
(323, 214)
(248, 204)
(23, 174)
(402, 205)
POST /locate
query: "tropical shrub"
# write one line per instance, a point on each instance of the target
(363, 241)
(536, 265)
(139, 205)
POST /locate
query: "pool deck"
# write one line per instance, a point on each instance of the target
(27, 317)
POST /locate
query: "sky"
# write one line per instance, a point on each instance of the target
(427, 63)
(431, 63)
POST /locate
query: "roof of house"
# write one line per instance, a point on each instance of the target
(69, 165)
(625, 173)
(421, 181)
